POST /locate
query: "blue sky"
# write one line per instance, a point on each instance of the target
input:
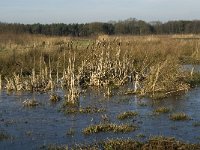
(81, 11)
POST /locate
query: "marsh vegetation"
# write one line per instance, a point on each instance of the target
(100, 85)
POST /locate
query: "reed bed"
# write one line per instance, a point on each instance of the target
(152, 65)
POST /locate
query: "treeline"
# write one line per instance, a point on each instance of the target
(129, 26)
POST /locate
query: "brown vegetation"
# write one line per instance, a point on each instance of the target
(152, 64)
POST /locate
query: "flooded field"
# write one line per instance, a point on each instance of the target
(63, 91)
(45, 124)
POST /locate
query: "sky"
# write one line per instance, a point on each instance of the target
(82, 11)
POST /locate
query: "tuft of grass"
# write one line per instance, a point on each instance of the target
(179, 116)
(30, 103)
(161, 110)
(54, 98)
(109, 127)
(4, 136)
(54, 147)
(128, 114)
(158, 96)
(160, 142)
(115, 144)
(86, 110)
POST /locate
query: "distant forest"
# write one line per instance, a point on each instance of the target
(128, 27)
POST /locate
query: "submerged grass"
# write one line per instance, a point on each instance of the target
(109, 127)
(128, 114)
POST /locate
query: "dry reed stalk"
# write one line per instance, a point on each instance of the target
(73, 93)
(17, 82)
(41, 64)
(57, 71)
(33, 78)
(156, 78)
(108, 92)
(50, 70)
(9, 84)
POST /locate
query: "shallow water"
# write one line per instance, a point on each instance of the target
(189, 67)
(32, 128)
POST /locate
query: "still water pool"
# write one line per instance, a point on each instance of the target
(32, 128)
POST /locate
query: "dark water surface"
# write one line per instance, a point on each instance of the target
(31, 128)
